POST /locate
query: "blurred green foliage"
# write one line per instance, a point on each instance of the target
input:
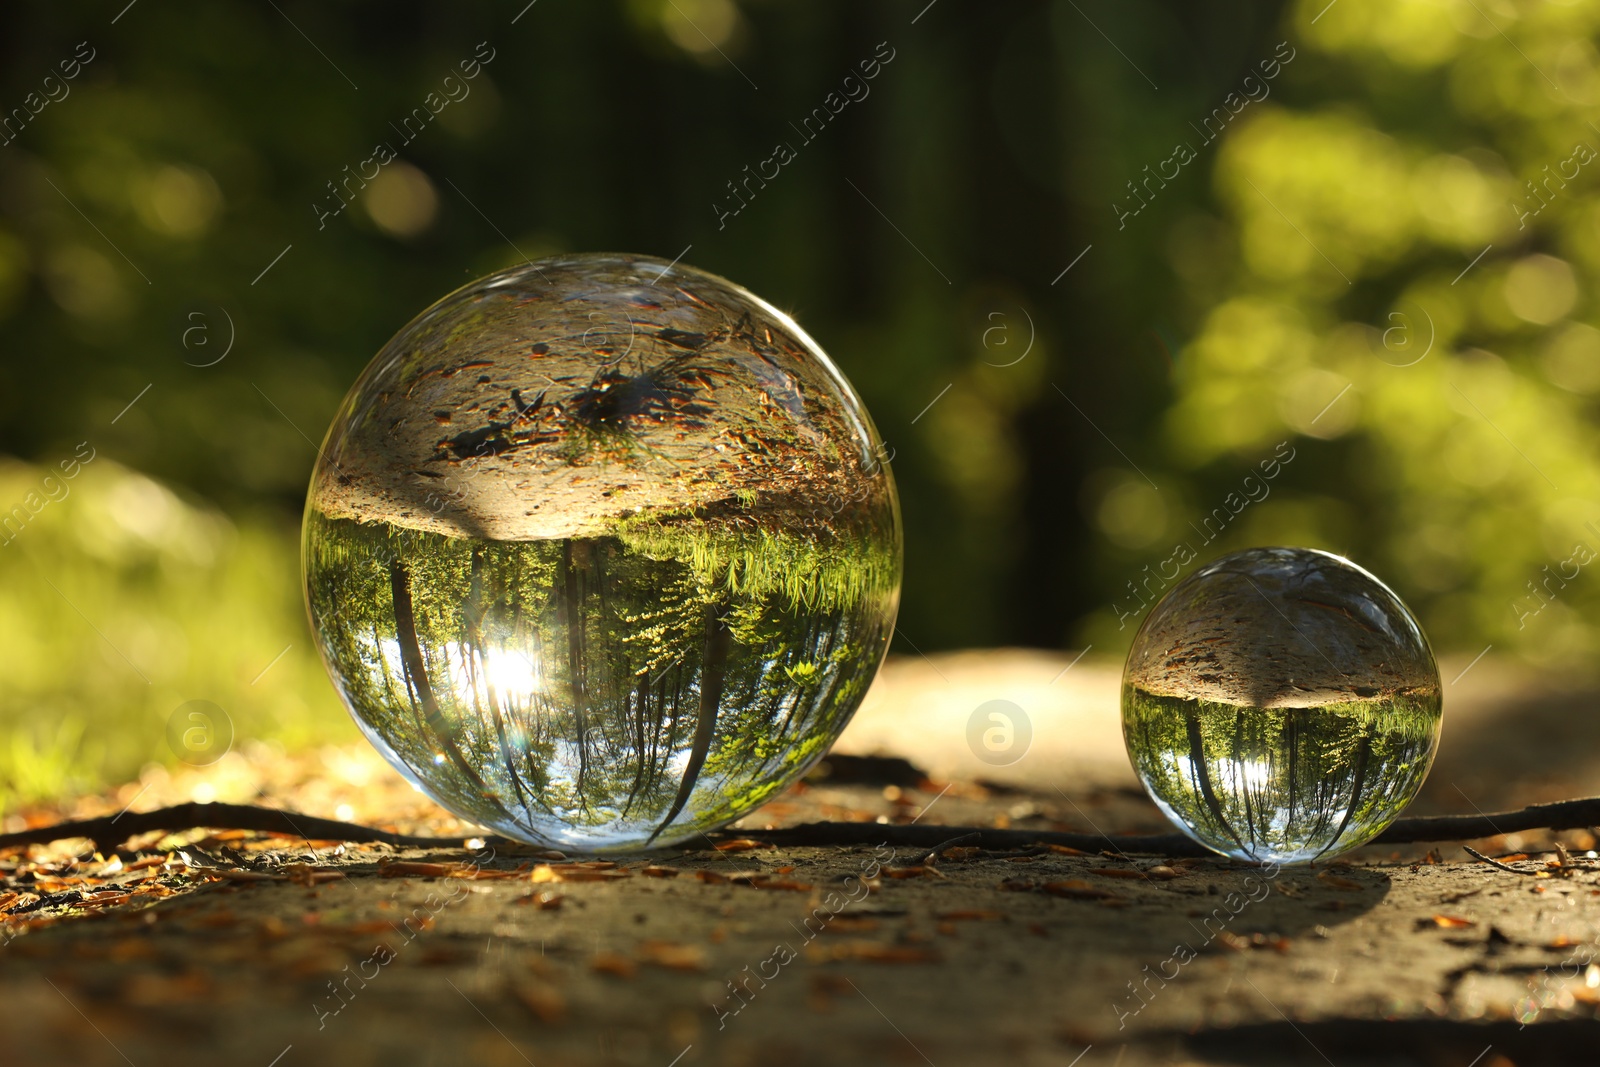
(121, 601)
(1354, 264)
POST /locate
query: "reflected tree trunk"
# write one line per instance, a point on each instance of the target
(713, 670)
(1291, 730)
(1363, 756)
(641, 753)
(572, 615)
(1202, 776)
(405, 620)
(1245, 785)
(477, 661)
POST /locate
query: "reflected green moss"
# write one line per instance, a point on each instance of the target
(826, 571)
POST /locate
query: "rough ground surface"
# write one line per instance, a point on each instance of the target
(254, 950)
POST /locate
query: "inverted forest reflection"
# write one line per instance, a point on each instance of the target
(1282, 705)
(1282, 784)
(584, 692)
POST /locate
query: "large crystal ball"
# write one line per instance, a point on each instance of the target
(602, 552)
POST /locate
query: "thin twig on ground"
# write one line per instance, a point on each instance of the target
(933, 853)
(1496, 864)
(1562, 815)
(195, 816)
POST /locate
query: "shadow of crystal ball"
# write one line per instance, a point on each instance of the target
(1281, 705)
(602, 552)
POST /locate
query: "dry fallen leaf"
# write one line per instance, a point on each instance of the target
(719, 878)
(247, 876)
(591, 876)
(493, 875)
(1330, 879)
(307, 875)
(1077, 889)
(529, 850)
(1240, 942)
(413, 869)
(614, 964)
(673, 956)
(782, 883)
(574, 872)
(871, 952)
(912, 872)
(406, 868)
(1445, 922)
(546, 1001)
(743, 844)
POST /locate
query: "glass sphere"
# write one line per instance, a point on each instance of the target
(602, 552)
(1281, 705)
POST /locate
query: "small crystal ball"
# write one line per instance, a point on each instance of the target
(1281, 705)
